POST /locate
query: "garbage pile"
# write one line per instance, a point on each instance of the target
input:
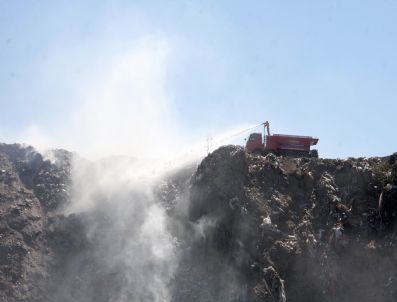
(301, 229)
(239, 227)
(31, 188)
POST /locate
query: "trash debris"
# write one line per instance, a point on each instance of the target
(247, 228)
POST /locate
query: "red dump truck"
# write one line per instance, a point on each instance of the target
(281, 144)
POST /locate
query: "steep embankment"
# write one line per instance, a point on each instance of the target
(31, 189)
(240, 227)
(325, 227)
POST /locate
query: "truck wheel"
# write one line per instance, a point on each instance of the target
(257, 152)
(313, 153)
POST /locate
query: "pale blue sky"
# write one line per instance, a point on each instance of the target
(321, 68)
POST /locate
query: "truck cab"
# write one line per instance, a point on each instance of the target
(255, 142)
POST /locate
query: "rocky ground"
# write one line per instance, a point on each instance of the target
(244, 228)
(31, 189)
(301, 229)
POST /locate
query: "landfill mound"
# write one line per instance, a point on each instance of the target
(31, 190)
(299, 229)
(242, 227)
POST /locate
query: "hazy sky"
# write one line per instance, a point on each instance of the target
(89, 74)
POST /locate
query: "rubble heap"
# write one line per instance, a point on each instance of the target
(246, 228)
(31, 189)
(301, 229)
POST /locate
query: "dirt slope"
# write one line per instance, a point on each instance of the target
(307, 229)
(30, 189)
(245, 228)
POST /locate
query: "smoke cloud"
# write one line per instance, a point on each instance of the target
(124, 126)
(120, 106)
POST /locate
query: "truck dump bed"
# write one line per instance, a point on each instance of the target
(278, 142)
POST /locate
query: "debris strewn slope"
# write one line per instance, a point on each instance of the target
(244, 228)
(304, 229)
(30, 190)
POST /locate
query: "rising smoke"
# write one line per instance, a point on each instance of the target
(130, 249)
(126, 226)
(131, 254)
